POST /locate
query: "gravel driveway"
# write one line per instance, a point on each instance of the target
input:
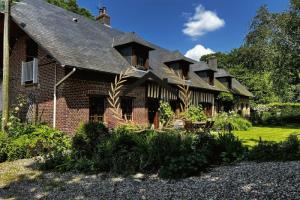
(21, 180)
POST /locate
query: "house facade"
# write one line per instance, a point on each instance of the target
(63, 65)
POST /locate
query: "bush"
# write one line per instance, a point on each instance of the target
(41, 141)
(276, 113)
(88, 136)
(3, 147)
(195, 113)
(291, 148)
(265, 151)
(231, 121)
(128, 128)
(184, 166)
(166, 113)
(270, 151)
(230, 147)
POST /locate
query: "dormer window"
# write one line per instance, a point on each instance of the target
(227, 81)
(182, 67)
(224, 77)
(137, 55)
(134, 49)
(207, 76)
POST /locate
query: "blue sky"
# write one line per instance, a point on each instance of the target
(208, 25)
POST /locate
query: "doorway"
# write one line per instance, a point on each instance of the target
(153, 115)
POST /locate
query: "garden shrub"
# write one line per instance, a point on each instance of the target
(127, 151)
(195, 113)
(42, 140)
(230, 148)
(87, 137)
(265, 151)
(184, 166)
(291, 148)
(276, 113)
(231, 121)
(3, 146)
(166, 113)
(271, 151)
(128, 128)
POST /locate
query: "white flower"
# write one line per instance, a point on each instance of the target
(9, 124)
(17, 108)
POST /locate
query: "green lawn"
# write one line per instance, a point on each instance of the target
(275, 134)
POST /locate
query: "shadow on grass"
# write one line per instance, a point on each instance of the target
(284, 126)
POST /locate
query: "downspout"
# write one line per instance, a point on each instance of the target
(55, 91)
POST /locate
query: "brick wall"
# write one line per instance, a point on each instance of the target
(39, 96)
(76, 103)
(72, 96)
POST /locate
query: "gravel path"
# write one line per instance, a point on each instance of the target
(242, 181)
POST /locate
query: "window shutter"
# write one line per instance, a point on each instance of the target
(23, 74)
(35, 70)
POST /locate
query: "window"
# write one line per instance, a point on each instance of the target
(140, 61)
(126, 106)
(29, 72)
(30, 66)
(180, 67)
(96, 109)
(31, 50)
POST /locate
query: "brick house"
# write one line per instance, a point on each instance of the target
(49, 44)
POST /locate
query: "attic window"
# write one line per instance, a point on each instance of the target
(137, 55)
(75, 19)
(181, 67)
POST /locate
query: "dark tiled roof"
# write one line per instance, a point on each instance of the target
(201, 66)
(238, 88)
(88, 44)
(176, 56)
(127, 38)
(222, 73)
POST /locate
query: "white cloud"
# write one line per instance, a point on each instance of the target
(202, 22)
(198, 51)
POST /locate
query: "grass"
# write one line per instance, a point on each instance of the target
(16, 170)
(271, 133)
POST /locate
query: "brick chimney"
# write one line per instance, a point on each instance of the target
(213, 62)
(103, 17)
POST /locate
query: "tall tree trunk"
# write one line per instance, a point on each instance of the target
(5, 84)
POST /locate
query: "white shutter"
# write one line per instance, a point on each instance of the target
(35, 70)
(23, 74)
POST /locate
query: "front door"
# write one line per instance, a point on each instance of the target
(153, 116)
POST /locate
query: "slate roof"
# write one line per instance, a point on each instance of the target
(176, 56)
(201, 66)
(131, 38)
(240, 89)
(222, 73)
(87, 44)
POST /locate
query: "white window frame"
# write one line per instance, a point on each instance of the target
(29, 73)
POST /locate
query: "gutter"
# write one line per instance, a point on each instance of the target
(55, 93)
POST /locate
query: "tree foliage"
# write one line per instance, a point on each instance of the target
(72, 6)
(268, 61)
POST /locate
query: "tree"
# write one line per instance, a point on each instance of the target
(268, 61)
(72, 6)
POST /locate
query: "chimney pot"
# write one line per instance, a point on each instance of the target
(213, 62)
(103, 17)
